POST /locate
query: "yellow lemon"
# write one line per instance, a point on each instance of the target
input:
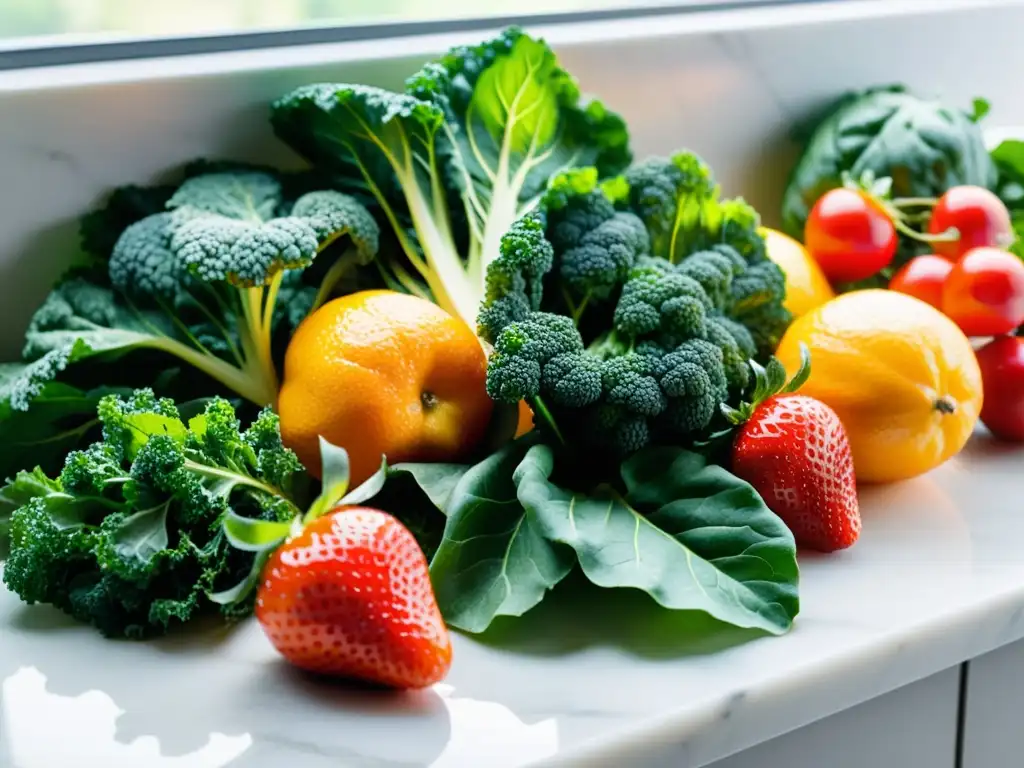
(901, 376)
(806, 285)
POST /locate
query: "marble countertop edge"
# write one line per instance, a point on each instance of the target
(728, 723)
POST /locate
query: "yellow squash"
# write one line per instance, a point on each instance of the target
(806, 285)
(900, 374)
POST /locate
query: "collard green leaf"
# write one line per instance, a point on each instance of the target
(693, 536)
(58, 418)
(437, 480)
(493, 560)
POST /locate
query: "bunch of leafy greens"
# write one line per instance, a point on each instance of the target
(688, 533)
(466, 151)
(625, 314)
(1009, 159)
(923, 145)
(129, 536)
(205, 279)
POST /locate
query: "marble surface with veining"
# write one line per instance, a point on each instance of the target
(591, 677)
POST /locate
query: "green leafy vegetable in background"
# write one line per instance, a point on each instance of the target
(923, 145)
(1009, 160)
(454, 161)
(625, 314)
(689, 534)
(129, 536)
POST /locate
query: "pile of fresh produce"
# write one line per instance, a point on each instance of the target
(899, 192)
(473, 347)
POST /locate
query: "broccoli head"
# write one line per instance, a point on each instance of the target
(627, 312)
(201, 280)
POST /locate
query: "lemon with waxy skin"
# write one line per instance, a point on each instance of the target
(901, 376)
(806, 285)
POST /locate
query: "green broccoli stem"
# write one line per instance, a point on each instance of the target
(540, 409)
(610, 344)
(240, 380)
(338, 270)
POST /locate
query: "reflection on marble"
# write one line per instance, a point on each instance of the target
(85, 732)
(590, 677)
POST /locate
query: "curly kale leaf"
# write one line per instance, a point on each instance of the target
(128, 537)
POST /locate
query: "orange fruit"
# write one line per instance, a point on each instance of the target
(525, 422)
(806, 285)
(383, 373)
(900, 374)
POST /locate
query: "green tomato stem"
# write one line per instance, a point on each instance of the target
(914, 202)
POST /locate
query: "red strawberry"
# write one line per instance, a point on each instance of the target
(795, 452)
(351, 596)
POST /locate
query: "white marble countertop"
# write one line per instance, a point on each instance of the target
(591, 677)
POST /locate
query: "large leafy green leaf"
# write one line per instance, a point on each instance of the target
(693, 536)
(52, 419)
(436, 480)
(493, 560)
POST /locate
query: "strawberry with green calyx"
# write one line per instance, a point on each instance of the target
(794, 451)
(344, 590)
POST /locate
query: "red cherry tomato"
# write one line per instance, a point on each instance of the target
(977, 214)
(850, 235)
(1002, 373)
(984, 293)
(923, 277)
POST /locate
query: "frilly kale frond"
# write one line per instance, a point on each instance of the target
(128, 538)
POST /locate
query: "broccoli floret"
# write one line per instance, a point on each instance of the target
(714, 270)
(129, 537)
(658, 298)
(767, 324)
(596, 267)
(514, 280)
(694, 378)
(523, 349)
(630, 383)
(668, 195)
(735, 358)
(572, 379)
(201, 281)
(142, 262)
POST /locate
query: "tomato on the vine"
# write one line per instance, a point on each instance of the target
(984, 293)
(850, 235)
(978, 216)
(923, 277)
(1002, 374)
